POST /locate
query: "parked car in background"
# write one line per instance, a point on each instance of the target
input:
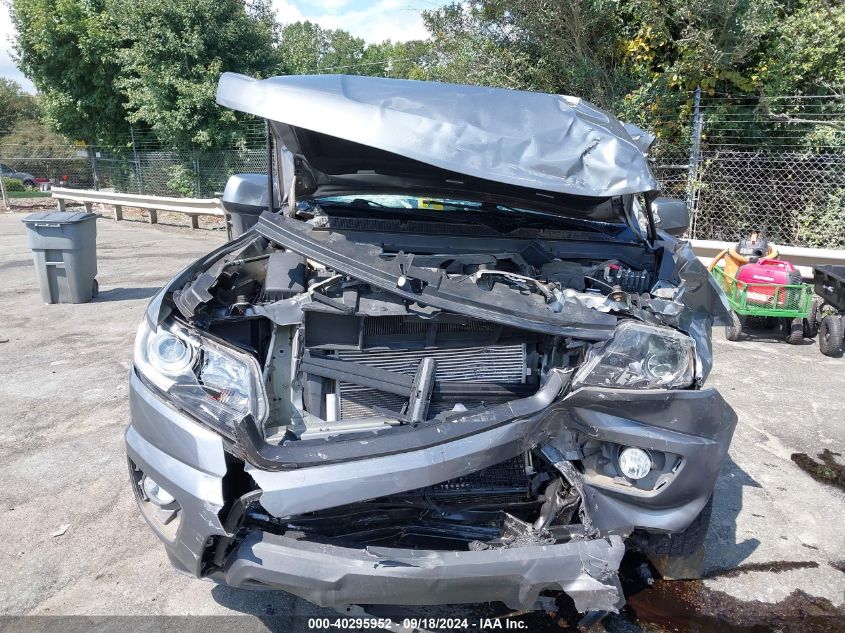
(459, 358)
(27, 179)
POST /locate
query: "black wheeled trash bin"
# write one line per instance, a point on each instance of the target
(64, 247)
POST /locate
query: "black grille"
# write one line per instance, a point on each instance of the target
(390, 325)
(507, 476)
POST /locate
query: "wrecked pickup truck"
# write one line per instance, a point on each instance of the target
(458, 357)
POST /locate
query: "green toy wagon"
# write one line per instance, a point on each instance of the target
(752, 296)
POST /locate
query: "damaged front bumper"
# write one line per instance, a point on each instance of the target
(332, 576)
(197, 467)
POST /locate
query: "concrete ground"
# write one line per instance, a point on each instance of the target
(63, 378)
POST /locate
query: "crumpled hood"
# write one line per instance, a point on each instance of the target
(542, 142)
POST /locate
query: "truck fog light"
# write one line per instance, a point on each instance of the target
(634, 463)
(156, 493)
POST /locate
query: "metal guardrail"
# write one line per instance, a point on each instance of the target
(193, 207)
(803, 258)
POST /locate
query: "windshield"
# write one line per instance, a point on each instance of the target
(450, 209)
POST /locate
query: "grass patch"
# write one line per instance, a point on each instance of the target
(29, 194)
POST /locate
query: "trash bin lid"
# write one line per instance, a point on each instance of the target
(58, 217)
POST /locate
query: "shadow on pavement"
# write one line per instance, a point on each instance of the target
(277, 610)
(725, 550)
(125, 294)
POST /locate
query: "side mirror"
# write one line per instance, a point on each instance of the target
(671, 215)
(244, 199)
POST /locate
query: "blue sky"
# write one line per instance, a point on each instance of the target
(373, 20)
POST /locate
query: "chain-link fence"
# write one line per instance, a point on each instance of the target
(776, 164)
(140, 165)
(194, 174)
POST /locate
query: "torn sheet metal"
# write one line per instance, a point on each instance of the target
(436, 289)
(644, 140)
(545, 142)
(388, 465)
(333, 576)
(704, 301)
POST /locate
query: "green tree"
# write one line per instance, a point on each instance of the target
(30, 138)
(399, 60)
(640, 59)
(67, 49)
(674, 46)
(172, 54)
(570, 46)
(15, 104)
(808, 55)
(306, 48)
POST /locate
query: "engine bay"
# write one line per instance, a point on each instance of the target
(361, 332)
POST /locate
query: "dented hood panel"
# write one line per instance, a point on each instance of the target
(543, 142)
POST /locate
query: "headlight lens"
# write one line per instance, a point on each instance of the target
(170, 354)
(212, 382)
(640, 356)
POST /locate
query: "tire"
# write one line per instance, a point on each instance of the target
(733, 332)
(793, 331)
(29, 183)
(831, 335)
(812, 322)
(679, 544)
(95, 289)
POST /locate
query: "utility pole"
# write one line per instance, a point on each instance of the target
(694, 158)
(137, 161)
(92, 153)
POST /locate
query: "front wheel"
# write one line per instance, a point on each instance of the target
(794, 330)
(733, 332)
(831, 335)
(813, 320)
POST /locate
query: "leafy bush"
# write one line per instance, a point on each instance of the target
(181, 180)
(12, 184)
(822, 223)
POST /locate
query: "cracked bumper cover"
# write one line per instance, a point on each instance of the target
(189, 460)
(335, 577)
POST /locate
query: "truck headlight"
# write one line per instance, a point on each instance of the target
(215, 383)
(640, 356)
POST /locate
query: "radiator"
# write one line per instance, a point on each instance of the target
(488, 364)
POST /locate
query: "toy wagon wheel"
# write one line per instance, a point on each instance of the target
(813, 320)
(733, 332)
(794, 330)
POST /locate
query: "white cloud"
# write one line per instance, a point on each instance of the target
(287, 12)
(7, 65)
